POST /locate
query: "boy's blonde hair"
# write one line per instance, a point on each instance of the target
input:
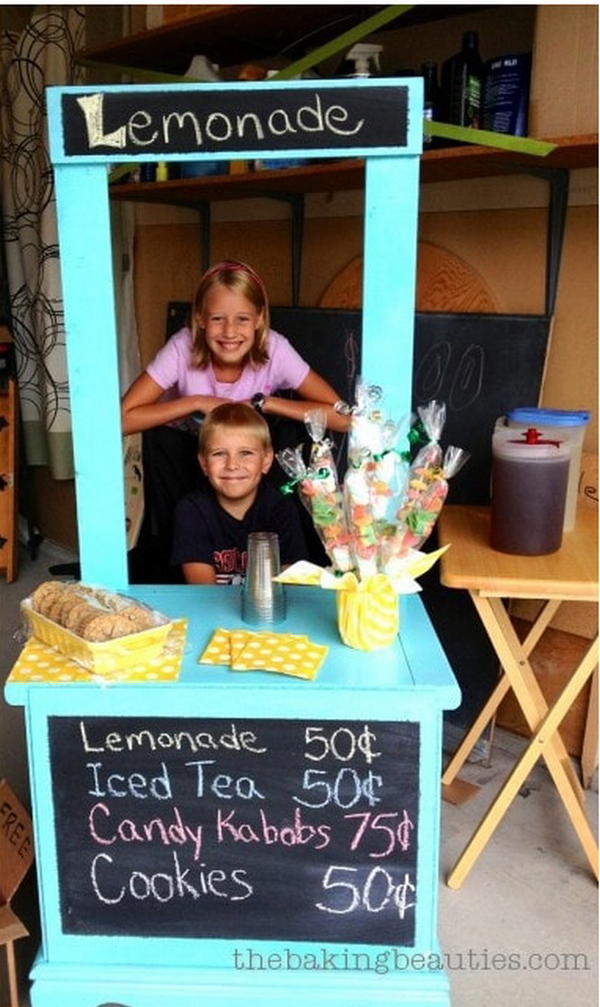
(242, 279)
(234, 415)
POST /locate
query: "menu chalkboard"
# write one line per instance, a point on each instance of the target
(214, 828)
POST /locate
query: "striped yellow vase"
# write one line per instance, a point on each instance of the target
(368, 614)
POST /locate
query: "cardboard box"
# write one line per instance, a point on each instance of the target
(16, 857)
(564, 77)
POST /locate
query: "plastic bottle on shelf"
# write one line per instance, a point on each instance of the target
(147, 171)
(276, 164)
(201, 69)
(365, 57)
(462, 84)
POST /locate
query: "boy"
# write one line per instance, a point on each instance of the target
(212, 525)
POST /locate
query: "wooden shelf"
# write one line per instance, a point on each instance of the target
(454, 163)
(231, 34)
(447, 164)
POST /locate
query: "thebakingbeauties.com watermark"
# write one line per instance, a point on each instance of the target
(397, 960)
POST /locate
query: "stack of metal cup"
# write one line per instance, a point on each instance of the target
(263, 601)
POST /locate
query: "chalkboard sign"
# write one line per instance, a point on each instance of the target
(218, 120)
(479, 365)
(261, 829)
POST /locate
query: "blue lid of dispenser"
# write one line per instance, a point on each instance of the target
(549, 417)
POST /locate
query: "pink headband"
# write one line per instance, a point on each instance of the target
(230, 266)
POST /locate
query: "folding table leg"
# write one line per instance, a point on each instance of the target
(541, 740)
(524, 684)
(589, 752)
(477, 728)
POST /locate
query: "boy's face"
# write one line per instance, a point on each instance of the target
(234, 461)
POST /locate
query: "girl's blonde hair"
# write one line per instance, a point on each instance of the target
(242, 279)
(234, 415)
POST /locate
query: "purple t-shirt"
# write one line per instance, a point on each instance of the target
(172, 370)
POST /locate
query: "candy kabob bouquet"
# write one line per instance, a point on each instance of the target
(373, 523)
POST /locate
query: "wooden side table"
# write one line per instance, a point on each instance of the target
(490, 577)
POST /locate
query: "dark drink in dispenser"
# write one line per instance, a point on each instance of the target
(529, 489)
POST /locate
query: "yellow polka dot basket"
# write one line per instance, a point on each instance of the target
(100, 658)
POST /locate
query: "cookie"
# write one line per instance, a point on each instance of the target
(140, 618)
(53, 605)
(78, 615)
(121, 626)
(106, 626)
(44, 594)
(69, 600)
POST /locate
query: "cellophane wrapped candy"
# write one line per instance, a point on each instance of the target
(426, 489)
(372, 526)
(374, 479)
(387, 506)
(319, 490)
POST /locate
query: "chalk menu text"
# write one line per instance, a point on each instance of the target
(279, 829)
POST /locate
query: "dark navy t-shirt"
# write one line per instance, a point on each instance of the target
(205, 533)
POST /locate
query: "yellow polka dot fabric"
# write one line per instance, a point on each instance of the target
(38, 662)
(218, 650)
(282, 653)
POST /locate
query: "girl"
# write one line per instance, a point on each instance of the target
(229, 353)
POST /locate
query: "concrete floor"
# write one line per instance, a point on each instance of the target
(523, 928)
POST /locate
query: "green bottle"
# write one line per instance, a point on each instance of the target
(462, 84)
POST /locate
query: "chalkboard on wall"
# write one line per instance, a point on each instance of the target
(260, 829)
(481, 366)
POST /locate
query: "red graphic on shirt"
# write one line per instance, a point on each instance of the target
(229, 563)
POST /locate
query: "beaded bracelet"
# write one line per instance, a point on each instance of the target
(342, 408)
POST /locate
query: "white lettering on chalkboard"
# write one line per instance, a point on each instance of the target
(224, 786)
(142, 129)
(163, 887)
(140, 121)
(134, 785)
(346, 779)
(340, 739)
(232, 740)
(92, 109)
(377, 892)
(215, 131)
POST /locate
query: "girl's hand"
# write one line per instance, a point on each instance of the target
(314, 393)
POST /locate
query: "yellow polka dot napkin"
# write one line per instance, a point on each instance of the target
(218, 650)
(283, 653)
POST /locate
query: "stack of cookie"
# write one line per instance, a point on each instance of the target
(92, 614)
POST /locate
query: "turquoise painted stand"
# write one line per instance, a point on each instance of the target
(410, 683)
